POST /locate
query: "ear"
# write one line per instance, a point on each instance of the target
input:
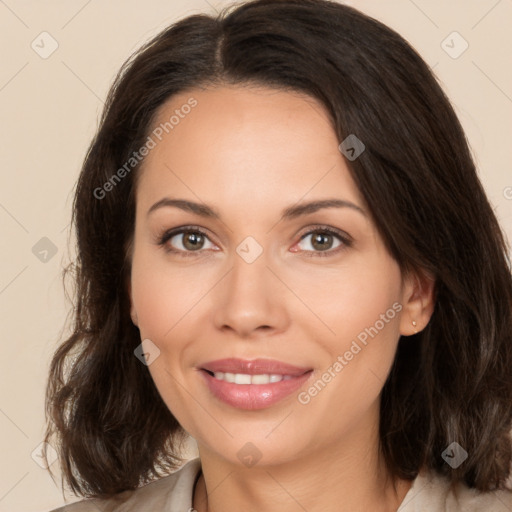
(128, 281)
(133, 312)
(418, 301)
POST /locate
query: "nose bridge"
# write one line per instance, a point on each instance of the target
(249, 275)
(249, 296)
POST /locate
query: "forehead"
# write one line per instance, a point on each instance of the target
(244, 142)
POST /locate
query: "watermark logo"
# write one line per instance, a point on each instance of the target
(249, 455)
(37, 455)
(454, 455)
(147, 352)
(44, 250)
(249, 249)
(44, 45)
(352, 147)
(454, 45)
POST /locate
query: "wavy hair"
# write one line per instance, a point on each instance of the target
(450, 382)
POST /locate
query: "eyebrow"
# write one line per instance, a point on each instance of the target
(291, 212)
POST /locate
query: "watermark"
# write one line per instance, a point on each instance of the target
(352, 147)
(44, 45)
(454, 45)
(44, 250)
(39, 458)
(507, 193)
(249, 454)
(147, 352)
(136, 157)
(304, 397)
(249, 249)
(454, 455)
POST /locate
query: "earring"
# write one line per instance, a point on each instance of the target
(414, 325)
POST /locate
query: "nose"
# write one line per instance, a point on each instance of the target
(251, 301)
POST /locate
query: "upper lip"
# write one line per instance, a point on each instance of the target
(254, 367)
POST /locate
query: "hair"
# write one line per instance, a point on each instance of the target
(449, 382)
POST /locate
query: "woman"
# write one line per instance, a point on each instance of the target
(284, 251)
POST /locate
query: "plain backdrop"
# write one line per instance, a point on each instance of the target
(58, 60)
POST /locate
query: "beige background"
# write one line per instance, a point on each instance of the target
(49, 111)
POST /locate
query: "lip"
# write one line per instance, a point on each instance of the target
(254, 367)
(253, 396)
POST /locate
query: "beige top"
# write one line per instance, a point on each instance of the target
(429, 492)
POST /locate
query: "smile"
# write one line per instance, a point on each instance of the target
(244, 378)
(252, 392)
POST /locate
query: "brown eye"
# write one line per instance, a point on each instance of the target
(322, 241)
(319, 241)
(193, 241)
(186, 241)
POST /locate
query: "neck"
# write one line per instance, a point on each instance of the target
(349, 478)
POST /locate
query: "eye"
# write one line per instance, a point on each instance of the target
(185, 240)
(323, 240)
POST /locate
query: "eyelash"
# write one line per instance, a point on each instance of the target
(346, 242)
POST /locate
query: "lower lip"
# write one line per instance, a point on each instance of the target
(253, 396)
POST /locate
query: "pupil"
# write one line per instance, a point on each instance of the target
(321, 241)
(193, 241)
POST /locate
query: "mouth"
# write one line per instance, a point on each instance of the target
(255, 384)
(253, 367)
(245, 378)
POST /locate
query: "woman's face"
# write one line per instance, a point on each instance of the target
(262, 275)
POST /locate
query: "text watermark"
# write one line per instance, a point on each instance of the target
(304, 397)
(136, 157)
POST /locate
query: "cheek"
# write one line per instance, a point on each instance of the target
(351, 298)
(359, 359)
(358, 312)
(166, 296)
(162, 297)
(155, 297)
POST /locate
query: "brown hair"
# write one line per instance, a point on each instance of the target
(450, 382)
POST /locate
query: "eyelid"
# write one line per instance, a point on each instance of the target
(325, 228)
(163, 237)
(345, 239)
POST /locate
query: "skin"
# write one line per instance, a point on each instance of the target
(249, 153)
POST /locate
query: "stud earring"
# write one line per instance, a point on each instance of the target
(414, 325)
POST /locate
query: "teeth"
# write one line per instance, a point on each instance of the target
(243, 378)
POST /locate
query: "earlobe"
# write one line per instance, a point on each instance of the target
(133, 312)
(418, 303)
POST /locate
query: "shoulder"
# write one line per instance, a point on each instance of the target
(433, 492)
(171, 493)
